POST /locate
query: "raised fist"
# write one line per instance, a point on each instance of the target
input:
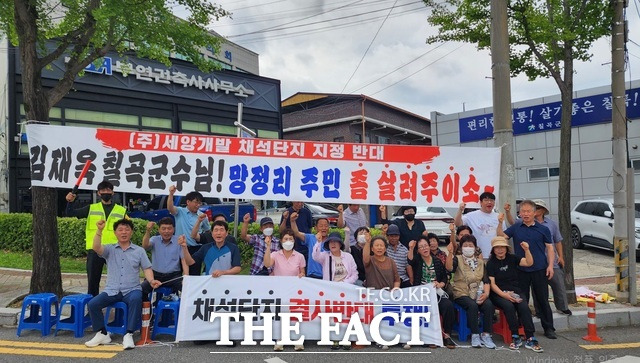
(524, 245)
(100, 224)
(150, 225)
(182, 241)
(172, 189)
(294, 216)
(70, 197)
(246, 218)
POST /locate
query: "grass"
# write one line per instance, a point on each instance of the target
(24, 261)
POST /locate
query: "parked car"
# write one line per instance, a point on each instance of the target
(592, 224)
(156, 208)
(318, 211)
(436, 220)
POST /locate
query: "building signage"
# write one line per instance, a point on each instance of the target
(545, 117)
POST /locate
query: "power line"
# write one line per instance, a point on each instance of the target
(369, 46)
(419, 70)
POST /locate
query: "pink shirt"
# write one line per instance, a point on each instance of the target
(287, 267)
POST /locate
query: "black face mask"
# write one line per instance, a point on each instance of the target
(409, 217)
(106, 197)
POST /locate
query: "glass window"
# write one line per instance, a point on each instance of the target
(383, 140)
(54, 112)
(223, 129)
(636, 166)
(357, 137)
(338, 139)
(195, 126)
(267, 134)
(103, 117)
(538, 174)
(163, 123)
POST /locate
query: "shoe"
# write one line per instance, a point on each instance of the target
(406, 347)
(475, 341)
(383, 347)
(566, 312)
(298, 348)
(487, 341)
(448, 342)
(278, 348)
(532, 344)
(432, 346)
(335, 346)
(346, 347)
(550, 334)
(98, 340)
(127, 341)
(516, 342)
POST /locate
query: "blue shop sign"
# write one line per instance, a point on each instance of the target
(585, 111)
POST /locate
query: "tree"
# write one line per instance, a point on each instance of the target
(546, 37)
(84, 31)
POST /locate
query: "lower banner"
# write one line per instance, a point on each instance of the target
(216, 308)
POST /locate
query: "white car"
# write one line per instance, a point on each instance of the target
(592, 224)
(436, 220)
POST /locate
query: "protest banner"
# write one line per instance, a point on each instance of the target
(264, 169)
(203, 297)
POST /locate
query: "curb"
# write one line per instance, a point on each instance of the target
(622, 316)
(9, 317)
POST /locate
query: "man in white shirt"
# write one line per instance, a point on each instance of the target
(483, 222)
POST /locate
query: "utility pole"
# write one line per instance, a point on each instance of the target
(502, 115)
(619, 120)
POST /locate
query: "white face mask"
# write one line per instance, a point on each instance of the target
(468, 251)
(362, 238)
(288, 246)
(268, 231)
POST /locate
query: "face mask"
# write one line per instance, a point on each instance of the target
(288, 246)
(362, 239)
(468, 251)
(106, 197)
(409, 217)
(268, 231)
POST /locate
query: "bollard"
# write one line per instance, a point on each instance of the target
(591, 336)
(145, 334)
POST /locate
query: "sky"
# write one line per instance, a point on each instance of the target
(378, 48)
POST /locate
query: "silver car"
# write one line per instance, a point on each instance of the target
(592, 224)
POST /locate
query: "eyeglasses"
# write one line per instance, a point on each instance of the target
(423, 247)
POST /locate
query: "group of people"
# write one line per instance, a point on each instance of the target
(480, 272)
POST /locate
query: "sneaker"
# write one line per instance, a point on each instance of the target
(566, 312)
(383, 347)
(550, 334)
(475, 341)
(98, 340)
(532, 344)
(278, 348)
(406, 347)
(487, 341)
(335, 346)
(516, 342)
(127, 341)
(449, 343)
(298, 348)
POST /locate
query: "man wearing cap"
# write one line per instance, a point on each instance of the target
(483, 222)
(557, 282)
(398, 253)
(337, 266)
(259, 244)
(533, 277)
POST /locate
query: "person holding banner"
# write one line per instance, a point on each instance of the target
(124, 261)
(309, 240)
(259, 243)
(103, 210)
(186, 218)
(429, 270)
(285, 262)
(506, 293)
(471, 289)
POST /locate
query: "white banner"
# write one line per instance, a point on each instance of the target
(263, 169)
(203, 296)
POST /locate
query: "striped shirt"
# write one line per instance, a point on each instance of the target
(399, 256)
(259, 247)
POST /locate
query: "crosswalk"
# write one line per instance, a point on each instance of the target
(58, 350)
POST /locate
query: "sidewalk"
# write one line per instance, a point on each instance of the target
(14, 284)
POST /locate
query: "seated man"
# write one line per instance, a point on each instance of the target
(166, 256)
(220, 257)
(127, 259)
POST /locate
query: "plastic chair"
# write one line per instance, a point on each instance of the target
(462, 324)
(166, 318)
(78, 321)
(40, 317)
(501, 327)
(119, 323)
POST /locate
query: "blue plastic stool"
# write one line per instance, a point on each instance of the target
(461, 326)
(160, 292)
(166, 320)
(78, 321)
(40, 317)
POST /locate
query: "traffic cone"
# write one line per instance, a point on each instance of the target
(145, 331)
(591, 336)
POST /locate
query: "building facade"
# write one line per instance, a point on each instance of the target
(536, 124)
(138, 94)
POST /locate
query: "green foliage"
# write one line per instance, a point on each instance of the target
(543, 35)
